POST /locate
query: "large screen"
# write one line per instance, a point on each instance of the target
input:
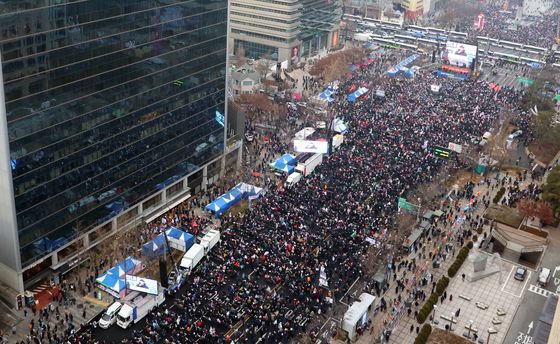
(306, 146)
(142, 284)
(458, 54)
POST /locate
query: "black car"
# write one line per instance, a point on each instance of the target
(520, 273)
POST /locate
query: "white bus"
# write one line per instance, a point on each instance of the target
(393, 44)
(405, 38)
(532, 47)
(507, 57)
(427, 41)
(458, 34)
(416, 28)
(528, 60)
(511, 44)
(435, 29)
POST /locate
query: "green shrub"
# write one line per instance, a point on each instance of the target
(424, 334)
(499, 195)
(461, 257)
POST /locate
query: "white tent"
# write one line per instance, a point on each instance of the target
(357, 314)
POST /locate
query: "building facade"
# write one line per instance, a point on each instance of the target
(412, 8)
(283, 30)
(112, 110)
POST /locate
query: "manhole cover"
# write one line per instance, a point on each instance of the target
(90, 306)
(80, 306)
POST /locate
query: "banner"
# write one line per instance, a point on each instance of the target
(455, 147)
(305, 146)
(403, 204)
(142, 284)
(459, 54)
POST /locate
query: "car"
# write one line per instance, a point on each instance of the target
(172, 279)
(515, 134)
(520, 273)
(249, 137)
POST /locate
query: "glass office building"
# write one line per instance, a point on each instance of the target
(112, 107)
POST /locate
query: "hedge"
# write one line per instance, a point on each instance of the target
(424, 334)
(463, 254)
(427, 308)
(499, 195)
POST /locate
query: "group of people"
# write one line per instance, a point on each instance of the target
(504, 25)
(297, 250)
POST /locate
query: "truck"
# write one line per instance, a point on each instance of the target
(293, 179)
(307, 166)
(209, 240)
(110, 316)
(137, 305)
(193, 256)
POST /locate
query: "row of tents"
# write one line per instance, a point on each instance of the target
(113, 281)
(239, 192)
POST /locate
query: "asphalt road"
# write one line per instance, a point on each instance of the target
(534, 297)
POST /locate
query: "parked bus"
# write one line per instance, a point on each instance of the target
(387, 43)
(507, 57)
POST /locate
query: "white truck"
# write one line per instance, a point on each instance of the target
(210, 239)
(293, 179)
(307, 166)
(193, 256)
(137, 306)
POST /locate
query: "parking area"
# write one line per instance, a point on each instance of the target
(490, 302)
(513, 286)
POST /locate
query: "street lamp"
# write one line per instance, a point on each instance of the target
(434, 315)
(491, 331)
(470, 328)
(451, 322)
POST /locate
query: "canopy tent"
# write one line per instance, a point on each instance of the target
(112, 280)
(155, 247)
(288, 159)
(327, 94)
(249, 191)
(557, 97)
(352, 97)
(178, 239)
(236, 194)
(339, 126)
(279, 165)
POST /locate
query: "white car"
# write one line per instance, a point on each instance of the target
(515, 134)
(249, 137)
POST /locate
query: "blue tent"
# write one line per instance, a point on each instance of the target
(288, 159)
(239, 192)
(357, 94)
(155, 247)
(178, 239)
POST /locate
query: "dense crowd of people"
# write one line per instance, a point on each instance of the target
(266, 270)
(503, 24)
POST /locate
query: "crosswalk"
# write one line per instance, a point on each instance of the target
(540, 291)
(40, 288)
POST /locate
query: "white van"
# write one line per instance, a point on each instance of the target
(110, 316)
(293, 179)
(544, 276)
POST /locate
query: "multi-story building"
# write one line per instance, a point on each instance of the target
(283, 30)
(412, 8)
(111, 113)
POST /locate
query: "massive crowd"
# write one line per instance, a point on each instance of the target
(504, 25)
(266, 270)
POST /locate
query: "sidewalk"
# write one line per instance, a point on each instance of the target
(401, 333)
